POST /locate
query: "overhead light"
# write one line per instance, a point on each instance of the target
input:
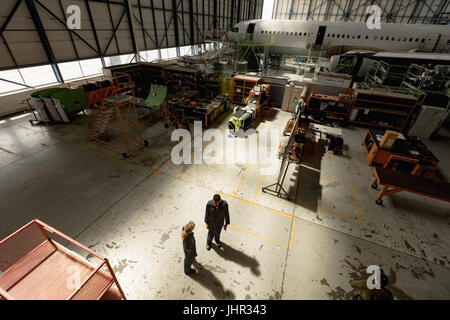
(2, 121)
(18, 117)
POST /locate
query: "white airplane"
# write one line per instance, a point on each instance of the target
(297, 37)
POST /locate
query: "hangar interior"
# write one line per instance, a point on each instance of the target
(331, 148)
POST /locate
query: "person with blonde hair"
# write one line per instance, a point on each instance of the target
(190, 251)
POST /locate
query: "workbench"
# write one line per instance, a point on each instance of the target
(408, 154)
(206, 112)
(396, 181)
(312, 133)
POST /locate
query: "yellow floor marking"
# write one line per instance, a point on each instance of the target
(335, 179)
(156, 171)
(356, 203)
(360, 135)
(39, 188)
(292, 233)
(359, 219)
(255, 204)
(263, 126)
(339, 214)
(259, 185)
(50, 177)
(254, 234)
(26, 195)
(178, 171)
(243, 178)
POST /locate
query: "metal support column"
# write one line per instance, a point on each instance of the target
(128, 9)
(44, 40)
(239, 12)
(156, 30)
(175, 26)
(191, 22)
(94, 31)
(9, 17)
(233, 4)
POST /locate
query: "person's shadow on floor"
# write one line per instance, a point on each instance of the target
(208, 280)
(230, 253)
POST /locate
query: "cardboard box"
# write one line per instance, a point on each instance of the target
(389, 139)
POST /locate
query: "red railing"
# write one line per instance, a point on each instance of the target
(19, 246)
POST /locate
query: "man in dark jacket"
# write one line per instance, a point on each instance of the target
(216, 217)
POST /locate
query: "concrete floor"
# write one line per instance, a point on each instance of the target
(132, 211)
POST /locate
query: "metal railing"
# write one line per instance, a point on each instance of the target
(21, 245)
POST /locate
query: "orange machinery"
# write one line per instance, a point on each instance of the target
(36, 267)
(407, 154)
(334, 107)
(395, 182)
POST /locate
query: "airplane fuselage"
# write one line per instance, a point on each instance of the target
(296, 37)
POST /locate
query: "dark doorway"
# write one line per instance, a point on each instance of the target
(321, 35)
(251, 28)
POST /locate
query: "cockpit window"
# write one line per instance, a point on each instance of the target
(234, 29)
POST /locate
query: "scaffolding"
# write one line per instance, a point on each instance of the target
(346, 64)
(315, 60)
(36, 266)
(250, 47)
(116, 123)
(418, 77)
(381, 72)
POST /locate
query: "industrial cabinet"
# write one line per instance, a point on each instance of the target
(428, 120)
(408, 154)
(242, 85)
